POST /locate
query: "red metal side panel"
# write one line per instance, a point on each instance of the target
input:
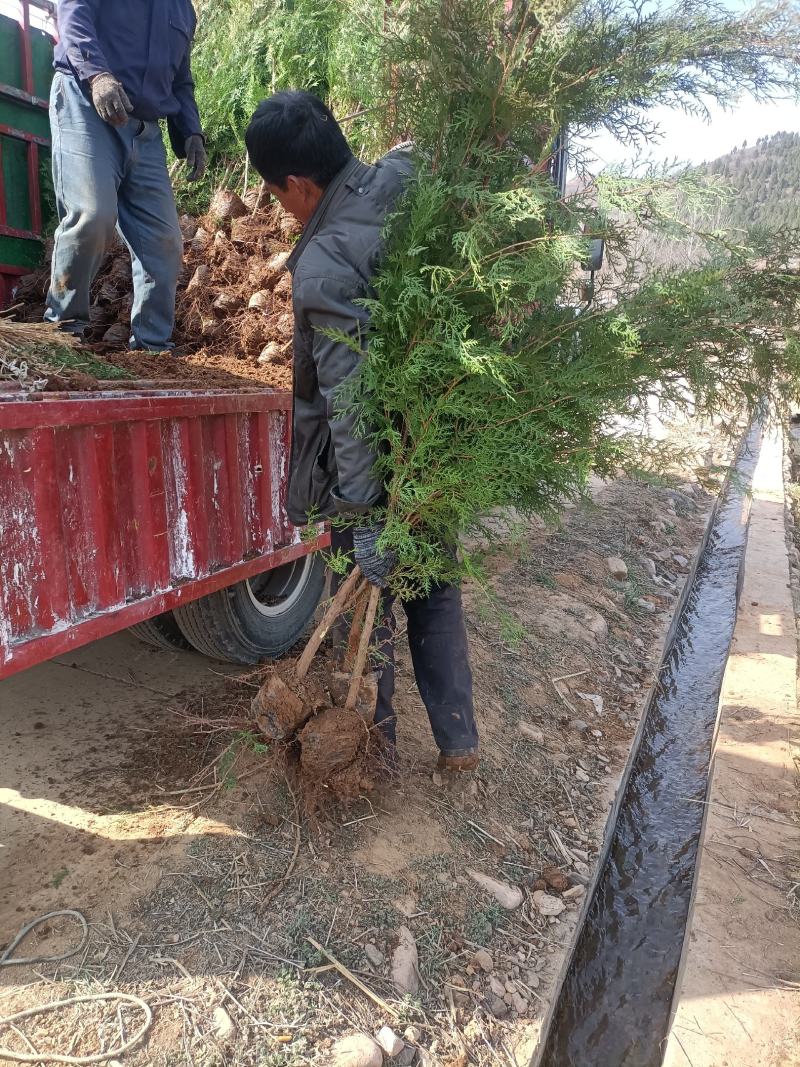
(113, 506)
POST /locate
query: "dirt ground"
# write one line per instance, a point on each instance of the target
(126, 796)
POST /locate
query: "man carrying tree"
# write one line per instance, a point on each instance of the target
(120, 69)
(297, 146)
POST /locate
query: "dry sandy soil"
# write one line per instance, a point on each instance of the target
(126, 796)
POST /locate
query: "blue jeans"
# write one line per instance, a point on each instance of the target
(107, 177)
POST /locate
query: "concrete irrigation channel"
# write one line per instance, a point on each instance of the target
(622, 1002)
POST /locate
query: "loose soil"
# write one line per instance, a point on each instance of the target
(234, 321)
(179, 834)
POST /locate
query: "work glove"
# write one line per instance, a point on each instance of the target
(196, 157)
(376, 563)
(110, 100)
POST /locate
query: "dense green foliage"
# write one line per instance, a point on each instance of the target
(489, 382)
(765, 182)
(247, 49)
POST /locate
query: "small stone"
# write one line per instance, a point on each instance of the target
(510, 987)
(532, 979)
(556, 879)
(483, 959)
(519, 1004)
(647, 606)
(413, 1033)
(405, 961)
(548, 905)
(358, 1050)
(507, 998)
(649, 567)
(597, 733)
(391, 1044)
(579, 726)
(374, 955)
(507, 896)
(261, 299)
(224, 1026)
(679, 560)
(531, 733)
(498, 1007)
(437, 779)
(575, 892)
(617, 568)
(581, 775)
(497, 987)
(406, 1057)
(442, 878)
(597, 625)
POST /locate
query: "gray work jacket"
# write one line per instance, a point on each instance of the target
(332, 267)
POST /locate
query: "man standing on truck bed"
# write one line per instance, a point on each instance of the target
(297, 146)
(120, 68)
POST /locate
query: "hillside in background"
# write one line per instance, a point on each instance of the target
(766, 180)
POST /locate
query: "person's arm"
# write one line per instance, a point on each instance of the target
(186, 123)
(324, 306)
(76, 28)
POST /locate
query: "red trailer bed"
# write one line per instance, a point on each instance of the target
(118, 506)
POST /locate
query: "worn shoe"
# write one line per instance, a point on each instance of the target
(455, 762)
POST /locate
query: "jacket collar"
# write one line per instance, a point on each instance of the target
(316, 220)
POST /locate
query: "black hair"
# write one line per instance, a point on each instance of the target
(293, 132)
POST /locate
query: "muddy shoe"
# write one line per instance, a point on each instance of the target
(450, 764)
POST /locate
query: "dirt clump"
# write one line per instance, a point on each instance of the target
(234, 301)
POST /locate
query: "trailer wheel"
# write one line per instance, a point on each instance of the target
(162, 632)
(258, 619)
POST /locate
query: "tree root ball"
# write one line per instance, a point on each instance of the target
(335, 754)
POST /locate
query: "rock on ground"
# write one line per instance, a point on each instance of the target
(389, 1041)
(358, 1050)
(405, 962)
(507, 896)
(546, 904)
(617, 568)
(484, 960)
(374, 955)
(224, 1026)
(532, 733)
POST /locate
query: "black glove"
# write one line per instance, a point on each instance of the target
(110, 100)
(196, 157)
(376, 564)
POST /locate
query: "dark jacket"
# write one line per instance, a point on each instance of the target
(146, 45)
(332, 267)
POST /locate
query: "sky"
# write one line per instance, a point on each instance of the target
(689, 139)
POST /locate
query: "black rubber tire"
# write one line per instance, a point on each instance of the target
(256, 620)
(162, 631)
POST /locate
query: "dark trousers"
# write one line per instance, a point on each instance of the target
(437, 638)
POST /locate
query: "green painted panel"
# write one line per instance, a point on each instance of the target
(16, 252)
(14, 156)
(42, 60)
(10, 54)
(24, 117)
